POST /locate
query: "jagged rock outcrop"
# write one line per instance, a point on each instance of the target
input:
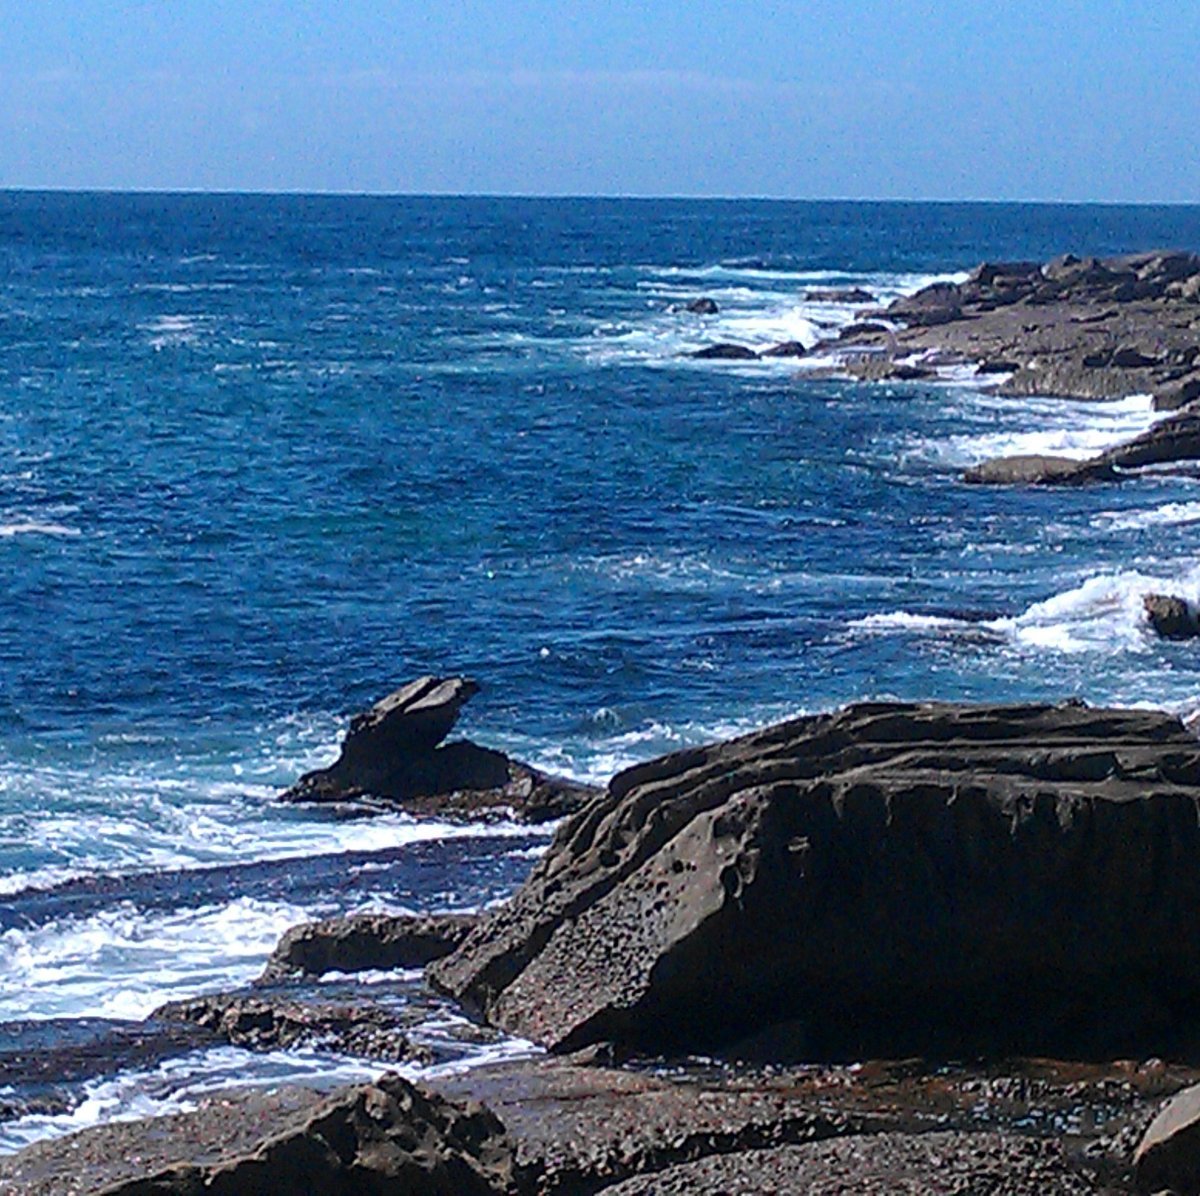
(1078, 328)
(893, 878)
(360, 942)
(272, 1023)
(388, 1136)
(1172, 617)
(394, 752)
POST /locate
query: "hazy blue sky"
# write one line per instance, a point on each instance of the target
(1053, 99)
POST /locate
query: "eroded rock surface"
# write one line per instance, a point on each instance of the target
(1172, 617)
(261, 1023)
(362, 942)
(394, 753)
(888, 879)
(389, 1136)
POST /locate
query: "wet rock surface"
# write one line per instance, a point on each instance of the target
(389, 1136)
(363, 942)
(893, 878)
(1172, 617)
(725, 352)
(1077, 328)
(393, 754)
(266, 1023)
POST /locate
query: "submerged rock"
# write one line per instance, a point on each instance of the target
(394, 752)
(893, 878)
(704, 306)
(387, 1136)
(362, 942)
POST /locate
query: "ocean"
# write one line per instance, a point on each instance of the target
(264, 458)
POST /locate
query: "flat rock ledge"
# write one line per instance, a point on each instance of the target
(393, 755)
(260, 1023)
(886, 880)
(364, 942)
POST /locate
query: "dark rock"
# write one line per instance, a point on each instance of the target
(704, 306)
(1176, 438)
(787, 349)
(997, 365)
(724, 352)
(989, 274)
(1172, 617)
(1038, 470)
(1177, 393)
(839, 295)
(1168, 1156)
(863, 328)
(394, 753)
(881, 369)
(384, 1137)
(362, 942)
(887, 880)
(270, 1023)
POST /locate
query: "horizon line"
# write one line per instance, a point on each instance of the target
(304, 193)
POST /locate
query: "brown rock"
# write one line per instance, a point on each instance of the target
(394, 753)
(389, 1136)
(1172, 617)
(362, 942)
(839, 295)
(725, 352)
(1038, 470)
(267, 1024)
(886, 880)
(787, 349)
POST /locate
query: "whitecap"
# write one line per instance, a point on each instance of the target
(32, 527)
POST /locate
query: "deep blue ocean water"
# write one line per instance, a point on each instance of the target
(264, 458)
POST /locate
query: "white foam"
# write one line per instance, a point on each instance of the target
(1054, 427)
(122, 963)
(1103, 614)
(31, 527)
(1168, 515)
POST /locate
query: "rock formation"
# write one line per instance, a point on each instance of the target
(725, 352)
(272, 1023)
(1172, 617)
(394, 752)
(888, 879)
(361, 942)
(389, 1136)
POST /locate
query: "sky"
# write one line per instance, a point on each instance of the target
(1071, 100)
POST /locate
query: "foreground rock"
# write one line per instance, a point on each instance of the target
(394, 752)
(1039, 470)
(885, 880)
(1172, 617)
(273, 1023)
(364, 942)
(390, 1136)
(1168, 1156)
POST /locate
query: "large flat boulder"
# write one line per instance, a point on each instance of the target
(892, 878)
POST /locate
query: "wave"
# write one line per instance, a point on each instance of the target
(1172, 514)
(31, 527)
(1103, 613)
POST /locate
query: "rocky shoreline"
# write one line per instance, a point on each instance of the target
(924, 947)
